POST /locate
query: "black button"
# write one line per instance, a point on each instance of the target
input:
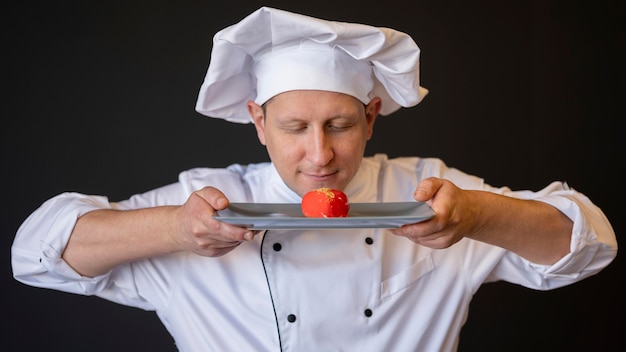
(369, 240)
(277, 247)
(368, 312)
(291, 318)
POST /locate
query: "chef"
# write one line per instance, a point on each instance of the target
(313, 90)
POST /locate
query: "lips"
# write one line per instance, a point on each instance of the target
(320, 174)
(321, 180)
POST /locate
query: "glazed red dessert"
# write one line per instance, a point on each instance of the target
(325, 203)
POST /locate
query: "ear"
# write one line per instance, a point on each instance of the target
(258, 117)
(371, 113)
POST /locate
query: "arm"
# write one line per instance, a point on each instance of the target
(532, 229)
(103, 239)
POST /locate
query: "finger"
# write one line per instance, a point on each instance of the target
(435, 240)
(214, 197)
(220, 252)
(427, 188)
(222, 244)
(215, 251)
(229, 232)
(412, 230)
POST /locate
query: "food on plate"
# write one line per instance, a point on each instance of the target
(325, 203)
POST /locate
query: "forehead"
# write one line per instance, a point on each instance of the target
(314, 102)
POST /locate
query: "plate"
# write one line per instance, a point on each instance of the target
(267, 216)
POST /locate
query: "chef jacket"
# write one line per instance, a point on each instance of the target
(311, 290)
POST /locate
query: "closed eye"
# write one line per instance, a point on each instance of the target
(294, 128)
(338, 126)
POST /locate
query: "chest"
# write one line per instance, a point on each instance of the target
(308, 288)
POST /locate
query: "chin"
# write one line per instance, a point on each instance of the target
(331, 185)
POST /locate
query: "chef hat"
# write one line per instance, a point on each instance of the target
(273, 51)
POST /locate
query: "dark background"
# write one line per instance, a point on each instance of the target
(98, 97)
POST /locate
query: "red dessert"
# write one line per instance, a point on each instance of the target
(325, 203)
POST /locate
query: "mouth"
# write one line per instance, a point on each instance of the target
(320, 176)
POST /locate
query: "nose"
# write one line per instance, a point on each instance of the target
(319, 150)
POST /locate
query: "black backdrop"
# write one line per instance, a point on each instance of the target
(98, 97)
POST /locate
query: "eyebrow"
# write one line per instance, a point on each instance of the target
(264, 107)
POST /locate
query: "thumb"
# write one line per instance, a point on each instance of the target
(427, 188)
(214, 197)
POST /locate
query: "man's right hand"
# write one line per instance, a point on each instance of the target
(195, 229)
(105, 238)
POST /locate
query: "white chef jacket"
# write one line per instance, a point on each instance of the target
(311, 290)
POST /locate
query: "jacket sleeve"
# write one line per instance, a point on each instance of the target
(593, 244)
(36, 253)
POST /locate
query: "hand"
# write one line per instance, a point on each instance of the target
(455, 215)
(196, 230)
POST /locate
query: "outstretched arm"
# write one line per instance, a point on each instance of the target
(103, 239)
(532, 229)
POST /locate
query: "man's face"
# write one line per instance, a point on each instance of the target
(315, 138)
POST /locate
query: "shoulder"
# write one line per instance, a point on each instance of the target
(231, 179)
(421, 168)
(410, 164)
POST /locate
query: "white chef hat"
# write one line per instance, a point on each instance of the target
(273, 51)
